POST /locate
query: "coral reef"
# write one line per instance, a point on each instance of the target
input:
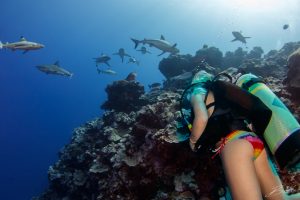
(234, 59)
(133, 156)
(175, 65)
(123, 96)
(255, 53)
(133, 150)
(212, 55)
(293, 76)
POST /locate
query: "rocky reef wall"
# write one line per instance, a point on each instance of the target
(133, 150)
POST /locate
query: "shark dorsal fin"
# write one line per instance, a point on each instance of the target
(22, 38)
(162, 37)
(56, 63)
(174, 45)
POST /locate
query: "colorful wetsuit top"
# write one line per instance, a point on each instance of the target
(251, 137)
(232, 108)
(194, 90)
(187, 111)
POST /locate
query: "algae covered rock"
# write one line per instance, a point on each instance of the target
(123, 96)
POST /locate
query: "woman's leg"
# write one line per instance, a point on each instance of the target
(237, 159)
(270, 184)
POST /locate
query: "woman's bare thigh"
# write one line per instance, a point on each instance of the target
(270, 184)
(237, 159)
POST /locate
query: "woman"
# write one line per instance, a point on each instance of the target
(242, 152)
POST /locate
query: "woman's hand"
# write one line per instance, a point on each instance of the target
(192, 145)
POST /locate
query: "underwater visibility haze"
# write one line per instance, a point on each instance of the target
(49, 91)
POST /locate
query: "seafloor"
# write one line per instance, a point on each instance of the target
(133, 152)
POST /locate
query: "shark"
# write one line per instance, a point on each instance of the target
(106, 71)
(133, 60)
(122, 54)
(54, 69)
(239, 37)
(160, 44)
(143, 50)
(22, 44)
(182, 77)
(102, 59)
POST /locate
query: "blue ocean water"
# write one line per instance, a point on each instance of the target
(39, 111)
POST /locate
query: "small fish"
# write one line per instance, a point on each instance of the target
(183, 76)
(286, 26)
(102, 59)
(122, 53)
(106, 71)
(54, 69)
(154, 85)
(160, 44)
(133, 60)
(22, 44)
(239, 37)
(144, 50)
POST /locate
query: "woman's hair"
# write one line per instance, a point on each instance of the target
(201, 77)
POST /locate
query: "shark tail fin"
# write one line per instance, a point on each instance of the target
(161, 53)
(1, 45)
(136, 42)
(107, 64)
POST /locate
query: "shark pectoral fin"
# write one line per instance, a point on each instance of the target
(247, 37)
(136, 42)
(25, 51)
(174, 45)
(161, 53)
(234, 40)
(162, 37)
(127, 54)
(22, 38)
(107, 64)
(56, 63)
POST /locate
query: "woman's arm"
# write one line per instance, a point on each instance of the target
(200, 119)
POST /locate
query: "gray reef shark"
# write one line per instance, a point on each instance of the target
(143, 50)
(122, 53)
(133, 60)
(102, 59)
(54, 69)
(183, 76)
(160, 44)
(106, 71)
(22, 44)
(239, 37)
